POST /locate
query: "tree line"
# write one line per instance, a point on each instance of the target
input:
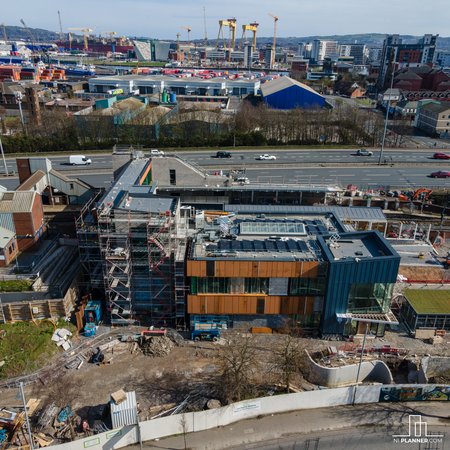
(249, 126)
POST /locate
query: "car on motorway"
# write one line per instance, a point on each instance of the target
(156, 152)
(266, 157)
(440, 174)
(363, 152)
(79, 160)
(222, 154)
(441, 156)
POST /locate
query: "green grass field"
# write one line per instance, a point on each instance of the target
(26, 346)
(15, 285)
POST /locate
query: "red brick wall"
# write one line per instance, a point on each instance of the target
(29, 223)
(23, 168)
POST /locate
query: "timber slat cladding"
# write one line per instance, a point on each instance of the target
(253, 269)
(247, 304)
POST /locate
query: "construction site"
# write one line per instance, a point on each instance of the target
(135, 247)
(176, 270)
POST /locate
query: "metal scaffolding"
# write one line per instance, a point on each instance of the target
(114, 240)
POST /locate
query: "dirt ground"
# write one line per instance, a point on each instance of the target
(190, 371)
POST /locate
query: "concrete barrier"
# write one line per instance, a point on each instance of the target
(376, 371)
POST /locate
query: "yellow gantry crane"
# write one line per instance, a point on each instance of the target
(231, 24)
(274, 45)
(110, 34)
(253, 27)
(86, 32)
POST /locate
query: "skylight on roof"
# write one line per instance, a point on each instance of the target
(272, 228)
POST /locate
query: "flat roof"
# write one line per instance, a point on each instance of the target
(245, 237)
(429, 301)
(350, 248)
(156, 78)
(409, 254)
(356, 213)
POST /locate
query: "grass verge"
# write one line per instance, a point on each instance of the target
(15, 285)
(27, 346)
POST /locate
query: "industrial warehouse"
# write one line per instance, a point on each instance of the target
(160, 258)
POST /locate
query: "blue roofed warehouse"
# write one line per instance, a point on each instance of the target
(286, 93)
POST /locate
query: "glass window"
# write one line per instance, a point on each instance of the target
(307, 286)
(370, 298)
(256, 285)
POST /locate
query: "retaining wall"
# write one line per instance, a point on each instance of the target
(376, 371)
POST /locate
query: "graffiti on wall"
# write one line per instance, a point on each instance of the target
(414, 394)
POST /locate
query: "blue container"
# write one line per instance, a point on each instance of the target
(173, 97)
(90, 329)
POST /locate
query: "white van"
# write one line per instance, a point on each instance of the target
(156, 152)
(79, 160)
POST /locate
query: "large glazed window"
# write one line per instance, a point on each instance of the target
(307, 286)
(370, 298)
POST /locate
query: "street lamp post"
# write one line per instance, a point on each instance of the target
(387, 114)
(360, 362)
(26, 416)
(3, 155)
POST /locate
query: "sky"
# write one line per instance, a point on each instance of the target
(163, 19)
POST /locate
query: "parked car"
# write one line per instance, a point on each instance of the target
(441, 156)
(364, 152)
(242, 180)
(222, 154)
(266, 156)
(156, 152)
(79, 160)
(440, 174)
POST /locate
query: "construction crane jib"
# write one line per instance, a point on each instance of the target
(274, 44)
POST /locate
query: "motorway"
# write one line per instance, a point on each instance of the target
(404, 168)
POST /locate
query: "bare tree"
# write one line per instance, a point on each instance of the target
(238, 364)
(288, 360)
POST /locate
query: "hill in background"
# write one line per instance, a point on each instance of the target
(374, 39)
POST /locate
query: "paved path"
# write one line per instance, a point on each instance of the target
(310, 429)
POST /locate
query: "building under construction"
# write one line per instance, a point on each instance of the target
(133, 245)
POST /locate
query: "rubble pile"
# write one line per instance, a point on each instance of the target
(156, 346)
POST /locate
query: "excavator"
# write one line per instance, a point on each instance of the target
(422, 194)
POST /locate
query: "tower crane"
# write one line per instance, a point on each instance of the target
(188, 29)
(253, 27)
(61, 34)
(274, 45)
(85, 32)
(33, 40)
(204, 26)
(5, 36)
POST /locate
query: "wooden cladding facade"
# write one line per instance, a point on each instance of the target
(249, 304)
(252, 269)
